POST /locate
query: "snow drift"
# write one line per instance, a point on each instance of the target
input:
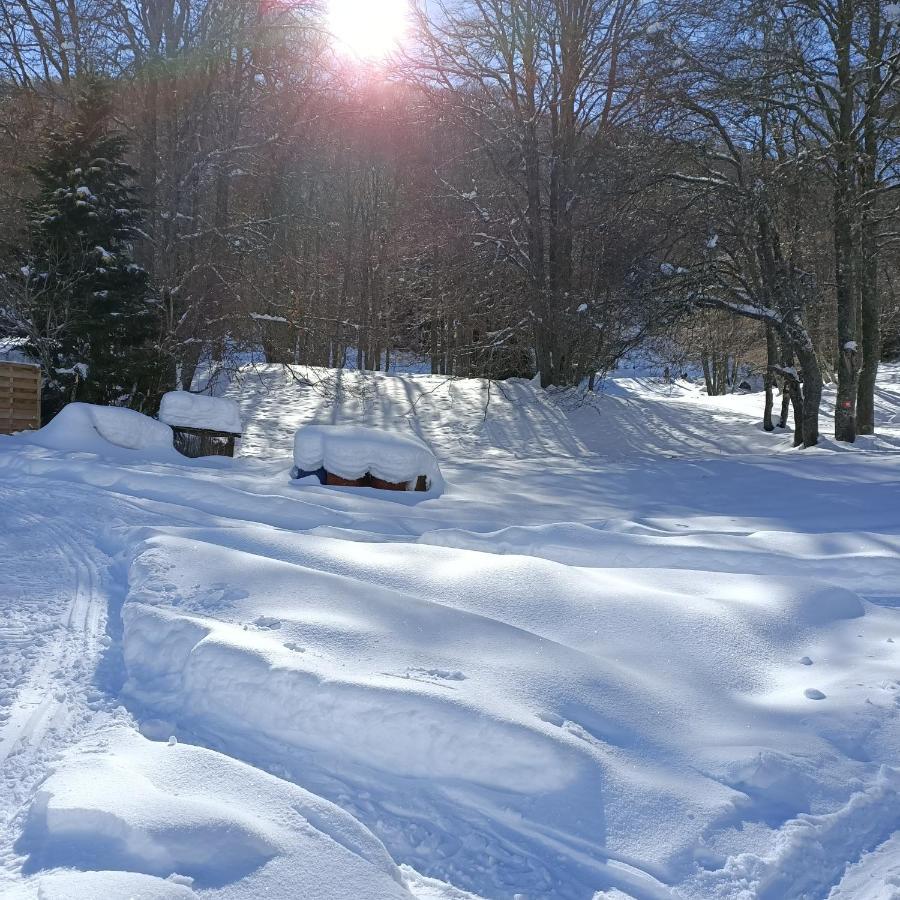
(91, 428)
(200, 819)
(380, 667)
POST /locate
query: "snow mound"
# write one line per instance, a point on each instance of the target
(84, 426)
(350, 451)
(459, 418)
(128, 805)
(199, 411)
(217, 672)
(74, 885)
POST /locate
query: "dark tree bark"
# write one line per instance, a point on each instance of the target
(844, 249)
(785, 405)
(870, 298)
(771, 363)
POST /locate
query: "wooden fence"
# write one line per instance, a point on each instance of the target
(20, 397)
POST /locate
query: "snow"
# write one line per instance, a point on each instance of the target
(636, 648)
(199, 411)
(86, 427)
(264, 317)
(13, 350)
(75, 885)
(351, 451)
(121, 803)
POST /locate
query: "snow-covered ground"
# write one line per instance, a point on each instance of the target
(636, 647)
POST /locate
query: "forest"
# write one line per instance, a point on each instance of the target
(512, 188)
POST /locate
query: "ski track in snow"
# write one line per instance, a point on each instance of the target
(57, 634)
(646, 478)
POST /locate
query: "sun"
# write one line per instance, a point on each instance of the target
(367, 29)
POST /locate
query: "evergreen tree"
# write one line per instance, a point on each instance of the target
(92, 303)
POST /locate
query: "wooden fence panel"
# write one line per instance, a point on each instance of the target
(20, 397)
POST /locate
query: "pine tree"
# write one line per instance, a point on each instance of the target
(92, 302)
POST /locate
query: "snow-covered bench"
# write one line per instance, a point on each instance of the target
(202, 426)
(360, 456)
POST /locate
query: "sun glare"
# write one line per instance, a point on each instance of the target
(367, 29)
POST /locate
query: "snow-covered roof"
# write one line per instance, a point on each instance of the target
(12, 349)
(350, 451)
(187, 410)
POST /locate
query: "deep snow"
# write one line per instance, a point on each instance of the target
(638, 647)
(200, 411)
(351, 451)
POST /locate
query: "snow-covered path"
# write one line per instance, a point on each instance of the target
(51, 637)
(595, 663)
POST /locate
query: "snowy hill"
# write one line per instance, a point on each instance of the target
(637, 646)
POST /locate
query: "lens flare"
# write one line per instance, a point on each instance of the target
(367, 29)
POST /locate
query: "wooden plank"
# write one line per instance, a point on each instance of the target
(16, 390)
(20, 397)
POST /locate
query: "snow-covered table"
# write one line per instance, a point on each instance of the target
(203, 426)
(360, 456)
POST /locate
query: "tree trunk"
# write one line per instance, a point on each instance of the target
(707, 374)
(844, 249)
(870, 299)
(785, 405)
(771, 362)
(870, 321)
(807, 426)
(796, 397)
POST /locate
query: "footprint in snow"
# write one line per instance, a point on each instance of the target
(267, 622)
(805, 661)
(813, 694)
